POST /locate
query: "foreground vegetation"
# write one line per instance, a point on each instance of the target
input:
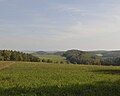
(40, 79)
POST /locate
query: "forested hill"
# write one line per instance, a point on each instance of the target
(82, 57)
(10, 55)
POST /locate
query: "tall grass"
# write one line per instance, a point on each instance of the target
(40, 79)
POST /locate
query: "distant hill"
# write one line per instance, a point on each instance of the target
(40, 53)
(107, 54)
(59, 53)
(48, 53)
(103, 53)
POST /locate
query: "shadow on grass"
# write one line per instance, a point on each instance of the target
(108, 71)
(96, 89)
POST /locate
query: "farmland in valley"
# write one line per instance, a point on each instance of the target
(53, 58)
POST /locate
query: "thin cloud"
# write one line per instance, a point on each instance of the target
(60, 25)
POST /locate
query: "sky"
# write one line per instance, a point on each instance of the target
(60, 24)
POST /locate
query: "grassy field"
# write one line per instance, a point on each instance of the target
(40, 79)
(54, 58)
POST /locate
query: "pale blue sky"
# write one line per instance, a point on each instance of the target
(59, 24)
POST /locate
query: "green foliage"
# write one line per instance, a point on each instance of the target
(1, 58)
(80, 57)
(49, 61)
(40, 79)
(111, 61)
(9, 55)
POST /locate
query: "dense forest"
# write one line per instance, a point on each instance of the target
(9, 55)
(81, 57)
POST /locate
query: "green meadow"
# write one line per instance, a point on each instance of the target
(40, 79)
(53, 58)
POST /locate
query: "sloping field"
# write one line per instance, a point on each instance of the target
(39, 79)
(54, 58)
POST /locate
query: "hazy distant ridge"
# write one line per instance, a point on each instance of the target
(104, 53)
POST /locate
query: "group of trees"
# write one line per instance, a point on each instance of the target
(10, 55)
(51, 61)
(80, 57)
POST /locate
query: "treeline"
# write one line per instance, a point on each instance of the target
(10, 55)
(81, 57)
(51, 61)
